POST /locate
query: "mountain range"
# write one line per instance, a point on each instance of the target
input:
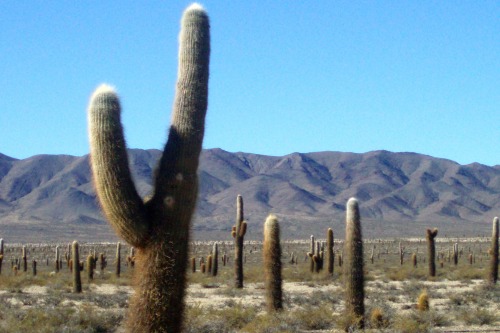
(51, 197)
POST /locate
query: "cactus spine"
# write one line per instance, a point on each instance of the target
(431, 250)
(353, 266)
(272, 264)
(493, 272)
(329, 250)
(77, 281)
(159, 227)
(238, 233)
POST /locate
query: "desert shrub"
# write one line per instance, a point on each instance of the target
(477, 316)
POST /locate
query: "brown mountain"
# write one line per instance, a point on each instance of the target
(49, 197)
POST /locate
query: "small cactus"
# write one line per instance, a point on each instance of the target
(423, 301)
(414, 260)
(77, 281)
(431, 250)
(272, 264)
(33, 265)
(353, 267)
(493, 271)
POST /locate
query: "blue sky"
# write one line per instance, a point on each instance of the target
(286, 76)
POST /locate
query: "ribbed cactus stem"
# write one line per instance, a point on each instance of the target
(493, 271)
(77, 281)
(329, 250)
(158, 228)
(353, 265)
(239, 231)
(272, 264)
(431, 250)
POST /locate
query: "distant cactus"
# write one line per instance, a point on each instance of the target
(414, 260)
(33, 265)
(215, 259)
(159, 228)
(77, 281)
(1, 254)
(493, 271)
(272, 264)
(118, 260)
(209, 264)
(455, 254)
(90, 267)
(57, 259)
(431, 250)
(193, 264)
(353, 266)
(238, 232)
(25, 259)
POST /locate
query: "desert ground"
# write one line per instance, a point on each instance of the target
(460, 299)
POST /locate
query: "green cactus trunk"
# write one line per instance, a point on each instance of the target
(431, 250)
(77, 281)
(493, 271)
(238, 233)
(353, 267)
(272, 264)
(158, 228)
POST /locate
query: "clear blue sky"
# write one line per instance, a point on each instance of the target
(286, 76)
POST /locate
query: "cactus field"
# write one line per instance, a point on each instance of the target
(459, 296)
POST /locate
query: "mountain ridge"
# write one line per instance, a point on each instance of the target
(400, 192)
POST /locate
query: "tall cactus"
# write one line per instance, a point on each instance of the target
(77, 280)
(493, 271)
(272, 264)
(158, 227)
(353, 266)
(238, 233)
(431, 250)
